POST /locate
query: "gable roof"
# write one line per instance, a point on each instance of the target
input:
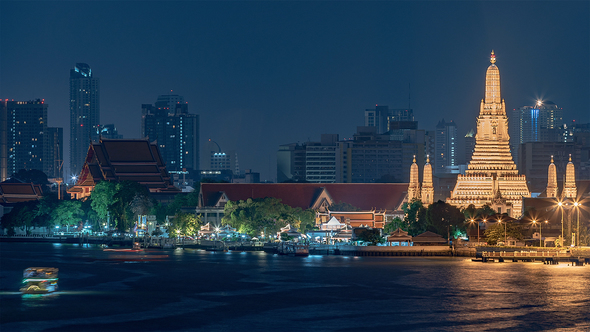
(366, 196)
(125, 159)
(19, 192)
(429, 237)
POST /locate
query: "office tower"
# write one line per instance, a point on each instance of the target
(375, 158)
(291, 163)
(538, 123)
(25, 140)
(326, 161)
(385, 119)
(174, 129)
(492, 177)
(84, 113)
(446, 146)
(322, 161)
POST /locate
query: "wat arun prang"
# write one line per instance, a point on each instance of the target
(491, 176)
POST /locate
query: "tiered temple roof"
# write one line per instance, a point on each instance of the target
(135, 160)
(491, 177)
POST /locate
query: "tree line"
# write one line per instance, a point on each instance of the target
(114, 205)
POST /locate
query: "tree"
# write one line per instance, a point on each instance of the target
(268, 215)
(393, 225)
(102, 198)
(415, 219)
(22, 215)
(495, 233)
(444, 218)
(187, 223)
(371, 236)
(67, 213)
(343, 207)
(183, 199)
(45, 209)
(120, 209)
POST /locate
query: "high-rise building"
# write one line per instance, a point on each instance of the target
(84, 113)
(492, 177)
(291, 163)
(445, 146)
(382, 118)
(175, 130)
(539, 123)
(109, 131)
(322, 161)
(25, 140)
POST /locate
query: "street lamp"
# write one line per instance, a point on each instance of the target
(540, 231)
(500, 221)
(472, 221)
(560, 205)
(577, 206)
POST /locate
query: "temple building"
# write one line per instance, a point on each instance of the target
(123, 159)
(569, 186)
(552, 180)
(426, 192)
(491, 177)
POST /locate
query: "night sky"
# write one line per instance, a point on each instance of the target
(261, 74)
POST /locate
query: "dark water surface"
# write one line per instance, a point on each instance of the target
(192, 290)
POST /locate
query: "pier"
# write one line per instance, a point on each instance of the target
(547, 257)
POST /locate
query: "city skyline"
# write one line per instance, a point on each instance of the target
(264, 74)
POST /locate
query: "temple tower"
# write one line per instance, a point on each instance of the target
(552, 180)
(491, 177)
(427, 193)
(414, 187)
(569, 186)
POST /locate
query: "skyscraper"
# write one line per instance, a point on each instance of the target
(492, 177)
(25, 140)
(84, 113)
(382, 117)
(175, 130)
(445, 150)
(539, 123)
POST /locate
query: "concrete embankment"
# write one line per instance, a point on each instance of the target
(390, 251)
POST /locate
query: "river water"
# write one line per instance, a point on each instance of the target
(194, 290)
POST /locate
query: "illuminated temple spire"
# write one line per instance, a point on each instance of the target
(427, 193)
(491, 176)
(552, 180)
(414, 187)
(492, 149)
(569, 186)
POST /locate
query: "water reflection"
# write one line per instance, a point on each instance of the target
(259, 291)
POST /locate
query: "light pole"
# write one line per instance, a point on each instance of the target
(500, 221)
(560, 204)
(540, 231)
(577, 206)
(477, 230)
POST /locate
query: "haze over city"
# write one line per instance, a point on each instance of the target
(261, 74)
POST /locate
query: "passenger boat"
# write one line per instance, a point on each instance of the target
(293, 249)
(40, 280)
